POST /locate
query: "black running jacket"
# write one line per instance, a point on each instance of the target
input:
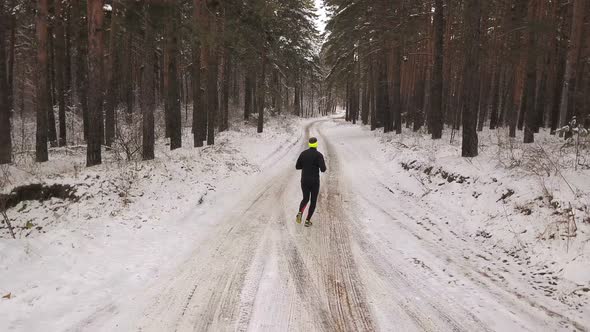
(311, 162)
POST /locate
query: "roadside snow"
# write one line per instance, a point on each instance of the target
(131, 223)
(408, 235)
(523, 207)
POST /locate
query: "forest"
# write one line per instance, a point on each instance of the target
(74, 72)
(294, 165)
(462, 65)
(77, 71)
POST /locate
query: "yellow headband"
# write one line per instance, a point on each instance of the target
(313, 145)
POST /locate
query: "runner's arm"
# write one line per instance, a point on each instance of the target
(322, 164)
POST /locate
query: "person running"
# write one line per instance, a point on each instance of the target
(310, 162)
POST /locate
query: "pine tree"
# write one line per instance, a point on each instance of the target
(60, 72)
(436, 116)
(43, 103)
(95, 79)
(5, 107)
(173, 93)
(470, 87)
(148, 99)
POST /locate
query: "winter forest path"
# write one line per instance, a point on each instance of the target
(366, 264)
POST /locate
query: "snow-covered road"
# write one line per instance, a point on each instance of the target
(380, 256)
(376, 258)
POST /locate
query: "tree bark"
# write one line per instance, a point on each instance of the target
(148, 98)
(11, 56)
(68, 53)
(43, 104)
(247, 94)
(205, 67)
(495, 99)
(518, 58)
(471, 71)
(212, 78)
(82, 64)
(297, 99)
(573, 56)
(531, 77)
(261, 93)
(51, 129)
(196, 79)
(396, 96)
(225, 90)
(128, 65)
(113, 75)
(60, 59)
(173, 94)
(384, 98)
(5, 109)
(436, 106)
(95, 79)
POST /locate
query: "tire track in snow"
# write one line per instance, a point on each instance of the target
(398, 281)
(229, 306)
(512, 311)
(346, 295)
(216, 289)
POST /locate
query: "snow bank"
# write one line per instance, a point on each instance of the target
(526, 206)
(130, 223)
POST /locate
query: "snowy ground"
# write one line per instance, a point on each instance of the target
(408, 236)
(131, 222)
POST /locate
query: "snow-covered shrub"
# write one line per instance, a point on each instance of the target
(576, 137)
(127, 142)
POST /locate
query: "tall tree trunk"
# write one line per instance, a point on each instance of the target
(128, 74)
(225, 93)
(148, 98)
(540, 101)
(173, 93)
(531, 77)
(43, 103)
(558, 86)
(517, 58)
(365, 96)
(279, 94)
(573, 56)
(205, 67)
(164, 78)
(372, 94)
(82, 64)
(297, 99)
(470, 86)
(51, 129)
(60, 59)
(68, 53)
(382, 98)
(495, 99)
(95, 79)
(5, 138)
(247, 94)
(198, 108)
(436, 106)
(11, 56)
(261, 93)
(396, 96)
(419, 99)
(113, 75)
(484, 85)
(212, 76)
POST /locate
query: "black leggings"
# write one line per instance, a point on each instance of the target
(309, 188)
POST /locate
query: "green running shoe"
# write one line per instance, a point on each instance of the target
(308, 223)
(299, 217)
